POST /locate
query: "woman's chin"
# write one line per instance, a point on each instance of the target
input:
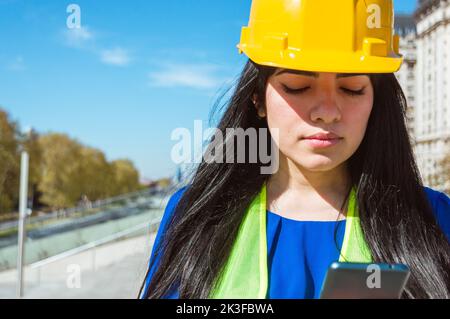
(319, 163)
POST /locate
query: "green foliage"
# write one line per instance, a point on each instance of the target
(62, 170)
(9, 168)
(71, 170)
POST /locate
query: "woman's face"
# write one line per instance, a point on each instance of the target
(303, 104)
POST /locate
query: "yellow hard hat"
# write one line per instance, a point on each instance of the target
(341, 36)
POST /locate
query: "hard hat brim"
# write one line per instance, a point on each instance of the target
(325, 61)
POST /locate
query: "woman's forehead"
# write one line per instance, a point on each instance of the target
(281, 71)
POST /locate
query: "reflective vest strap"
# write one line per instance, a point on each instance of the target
(354, 247)
(241, 279)
(264, 278)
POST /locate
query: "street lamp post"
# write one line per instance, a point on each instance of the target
(23, 210)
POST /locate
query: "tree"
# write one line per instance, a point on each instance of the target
(125, 177)
(30, 142)
(96, 174)
(71, 171)
(61, 170)
(61, 181)
(9, 167)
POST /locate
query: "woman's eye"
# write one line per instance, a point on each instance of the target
(295, 91)
(353, 92)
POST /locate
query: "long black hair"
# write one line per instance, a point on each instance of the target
(396, 217)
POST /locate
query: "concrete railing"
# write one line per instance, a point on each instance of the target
(151, 226)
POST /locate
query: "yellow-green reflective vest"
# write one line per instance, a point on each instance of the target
(245, 274)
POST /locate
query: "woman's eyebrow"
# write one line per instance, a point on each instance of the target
(297, 72)
(347, 75)
(316, 75)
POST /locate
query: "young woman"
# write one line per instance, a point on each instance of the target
(347, 187)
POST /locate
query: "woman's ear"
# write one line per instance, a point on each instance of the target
(255, 99)
(260, 110)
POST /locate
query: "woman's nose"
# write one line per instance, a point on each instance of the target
(326, 109)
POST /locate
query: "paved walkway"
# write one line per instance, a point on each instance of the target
(113, 271)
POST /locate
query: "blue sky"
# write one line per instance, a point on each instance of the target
(124, 81)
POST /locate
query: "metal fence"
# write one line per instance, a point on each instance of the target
(150, 226)
(81, 209)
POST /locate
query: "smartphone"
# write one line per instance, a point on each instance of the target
(364, 281)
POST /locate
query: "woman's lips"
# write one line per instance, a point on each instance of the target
(322, 143)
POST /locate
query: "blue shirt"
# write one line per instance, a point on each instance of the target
(300, 252)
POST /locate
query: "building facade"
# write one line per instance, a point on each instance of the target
(405, 27)
(432, 99)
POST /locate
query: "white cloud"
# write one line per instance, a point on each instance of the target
(117, 56)
(78, 37)
(195, 76)
(86, 40)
